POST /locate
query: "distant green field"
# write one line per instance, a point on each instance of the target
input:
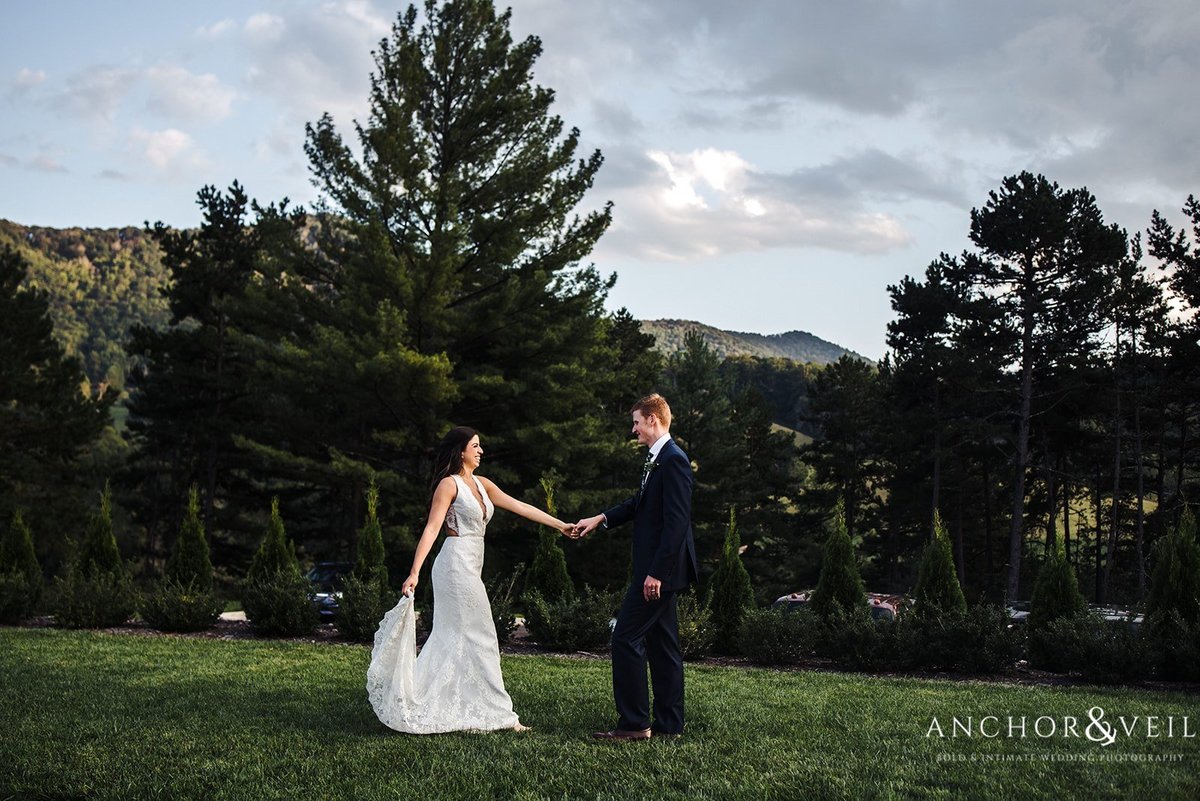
(106, 716)
(801, 439)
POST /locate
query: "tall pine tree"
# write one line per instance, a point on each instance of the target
(444, 282)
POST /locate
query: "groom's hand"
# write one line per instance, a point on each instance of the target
(651, 588)
(586, 526)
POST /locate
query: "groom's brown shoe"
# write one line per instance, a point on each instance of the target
(622, 735)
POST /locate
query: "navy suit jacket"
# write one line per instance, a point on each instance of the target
(663, 545)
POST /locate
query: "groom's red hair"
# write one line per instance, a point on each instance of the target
(654, 404)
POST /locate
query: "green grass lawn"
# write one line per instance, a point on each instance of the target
(96, 715)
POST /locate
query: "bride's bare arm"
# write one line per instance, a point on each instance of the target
(502, 500)
(443, 496)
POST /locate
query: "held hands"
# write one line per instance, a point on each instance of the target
(409, 585)
(584, 527)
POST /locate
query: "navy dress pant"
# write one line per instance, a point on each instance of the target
(648, 632)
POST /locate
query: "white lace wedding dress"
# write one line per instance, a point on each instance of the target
(454, 684)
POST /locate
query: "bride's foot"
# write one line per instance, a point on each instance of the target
(521, 727)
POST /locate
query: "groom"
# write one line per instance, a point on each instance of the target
(664, 563)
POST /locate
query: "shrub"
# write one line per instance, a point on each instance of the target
(503, 602)
(16, 598)
(20, 573)
(90, 601)
(1056, 593)
(938, 590)
(276, 554)
(1172, 646)
(371, 555)
(1088, 645)
(697, 633)
(189, 564)
(548, 575)
(96, 591)
(840, 585)
(183, 600)
(276, 597)
(853, 640)
(171, 606)
(778, 637)
(280, 606)
(363, 604)
(573, 624)
(97, 551)
(366, 596)
(730, 595)
(974, 640)
(1175, 582)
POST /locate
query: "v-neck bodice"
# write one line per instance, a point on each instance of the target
(466, 516)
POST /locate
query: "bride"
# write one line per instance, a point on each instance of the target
(455, 682)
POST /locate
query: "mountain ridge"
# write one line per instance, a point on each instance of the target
(798, 346)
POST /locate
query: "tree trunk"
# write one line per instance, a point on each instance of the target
(1161, 483)
(1016, 531)
(1183, 435)
(1051, 506)
(960, 562)
(1066, 497)
(1115, 511)
(937, 461)
(1099, 531)
(987, 522)
(1141, 480)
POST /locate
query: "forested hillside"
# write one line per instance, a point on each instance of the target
(99, 283)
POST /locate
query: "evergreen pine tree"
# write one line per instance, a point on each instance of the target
(190, 563)
(1175, 583)
(1056, 592)
(370, 563)
(549, 575)
(20, 573)
(98, 552)
(96, 591)
(16, 550)
(938, 590)
(840, 586)
(276, 555)
(730, 594)
(276, 595)
(183, 600)
(444, 276)
(366, 596)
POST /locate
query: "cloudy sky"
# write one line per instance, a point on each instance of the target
(774, 164)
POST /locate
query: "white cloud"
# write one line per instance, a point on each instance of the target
(95, 94)
(164, 149)
(265, 27)
(178, 94)
(322, 64)
(216, 30)
(709, 203)
(44, 163)
(27, 79)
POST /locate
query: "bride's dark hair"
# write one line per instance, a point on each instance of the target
(448, 461)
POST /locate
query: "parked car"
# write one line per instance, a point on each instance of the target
(328, 580)
(1018, 615)
(883, 606)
